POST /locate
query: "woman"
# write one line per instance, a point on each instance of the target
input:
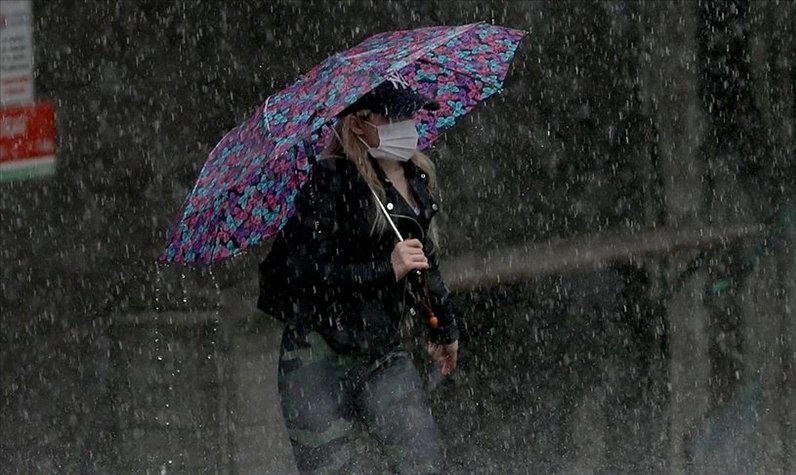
(350, 292)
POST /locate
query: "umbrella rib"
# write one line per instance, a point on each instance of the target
(265, 115)
(464, 73)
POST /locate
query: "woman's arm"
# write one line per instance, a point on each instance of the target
(447, 331)
(311, 236)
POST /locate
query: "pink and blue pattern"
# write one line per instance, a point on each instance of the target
(246, 190)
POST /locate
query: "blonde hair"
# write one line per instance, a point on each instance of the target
(347, 145)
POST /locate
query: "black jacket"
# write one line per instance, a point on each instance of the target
(326, 270)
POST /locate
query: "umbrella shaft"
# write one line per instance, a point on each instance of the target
(387, 215)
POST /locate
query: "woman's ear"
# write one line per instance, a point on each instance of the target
(356, 125)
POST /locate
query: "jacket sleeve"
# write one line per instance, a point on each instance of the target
(312, 237)
(447, 331)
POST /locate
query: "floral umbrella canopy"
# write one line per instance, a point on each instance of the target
(246, 190)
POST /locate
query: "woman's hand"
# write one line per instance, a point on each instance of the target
(407, 256)
(445, 355)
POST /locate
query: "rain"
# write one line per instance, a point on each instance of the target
(616, 228)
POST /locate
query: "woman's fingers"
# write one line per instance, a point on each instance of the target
(413, 243)
(449, 364)
(445, 355)
(418, 266)
(446, 366)
(415, 253)
(412, 251)
(435, 351)
(417, 261)
(408, 256)
(453, 357)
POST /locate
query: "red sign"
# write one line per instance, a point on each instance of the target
(27, 140)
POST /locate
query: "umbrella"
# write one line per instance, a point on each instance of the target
(246, 190)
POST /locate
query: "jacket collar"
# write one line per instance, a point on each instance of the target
(418, 183)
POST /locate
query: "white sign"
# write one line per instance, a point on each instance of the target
(16, 52)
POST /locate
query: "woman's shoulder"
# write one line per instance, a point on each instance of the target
(331, 173)
(336, 168)
(336, 162)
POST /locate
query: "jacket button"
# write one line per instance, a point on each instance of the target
(412, 311)
(434, 206)
(423, 176)
(390, 206)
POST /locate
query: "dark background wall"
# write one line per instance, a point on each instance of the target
(617, 116)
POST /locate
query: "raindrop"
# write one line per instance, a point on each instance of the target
(183, 288)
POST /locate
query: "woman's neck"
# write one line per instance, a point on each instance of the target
(391, 167)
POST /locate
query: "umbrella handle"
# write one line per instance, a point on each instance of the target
(387, 215)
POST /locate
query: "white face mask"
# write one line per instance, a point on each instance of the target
(397, 140)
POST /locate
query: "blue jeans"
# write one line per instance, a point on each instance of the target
(323, 391)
